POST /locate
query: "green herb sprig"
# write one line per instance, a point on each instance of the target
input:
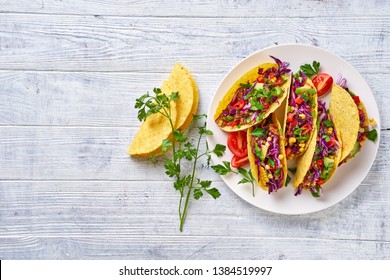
(310, 70)
(187, 184)
(247, 177)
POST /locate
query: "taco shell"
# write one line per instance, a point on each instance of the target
(148, 140)
(304, 162)
(258, 172)
(345, 117)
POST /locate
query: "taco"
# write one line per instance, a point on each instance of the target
(363, 128)
(266, 154)
(301, 115)
(346, 118)
(254, 96)
(318, 164)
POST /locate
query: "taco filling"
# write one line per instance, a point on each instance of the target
(323, 162)
(252, 100)
(301, 111)
(268, 155)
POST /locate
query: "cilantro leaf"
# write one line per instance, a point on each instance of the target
(246, 86)
(258, 132)
(214, 193)
(180, 137)
(174, 96)
(328, 123)
(309, 70)
(166, 144)
(293, 170)
(219, 150)
(222, 169)
(372, 135)
(198, 193)
(288, 179)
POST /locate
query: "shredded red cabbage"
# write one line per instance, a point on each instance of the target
(327, 145)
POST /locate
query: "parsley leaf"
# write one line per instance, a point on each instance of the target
(310, 70)
(258, 132)
(166, 144)
(372, 135)
(219, 150)
(222, 169)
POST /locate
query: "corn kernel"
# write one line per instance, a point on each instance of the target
(292, 140)
(280, 156)
(372, 122)
(270, 176)
(267, 167)
(302, 116)
(269, 139)
(301, 150)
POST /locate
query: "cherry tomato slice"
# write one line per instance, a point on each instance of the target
(356, 99)
(299, 100)
(239, 104)
(323, 83)
(278, 81)
(238, 144)
(232, 123)
(320, 181)
(260, 79)
(290, 117)
(288, 151)
(239, 162)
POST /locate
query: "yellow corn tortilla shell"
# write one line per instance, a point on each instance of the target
(156, 128)
(250, 77)
(195, 102)
(364, 126)
(181, 81)
(345, 117)
(254, 168)
(148, 140)
(305, 160)
(312, 133)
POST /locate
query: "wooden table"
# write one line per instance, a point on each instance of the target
(70, 72)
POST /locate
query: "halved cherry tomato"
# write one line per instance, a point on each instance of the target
(320, 181)
(260, 79)
(232, 123)
(332, 142)
(290, 117)
(320, 163)
(288, 151)
(278, 81)
(271, 75)
(238, 144)
(356, 99)
(239, 104)
(299, 100)
(238, 162)
(323, 82)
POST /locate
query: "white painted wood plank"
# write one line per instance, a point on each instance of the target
(221, 8)
(132, 209)
(83, 153)
(86, 43)
(192, 247)
(107, 99)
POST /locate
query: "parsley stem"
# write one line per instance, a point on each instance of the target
(183, 215)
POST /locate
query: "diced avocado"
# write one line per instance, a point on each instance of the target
(328, 165)
(328, 162)
(278, 91)
(302, 89)
(259, 86)
(355, 149)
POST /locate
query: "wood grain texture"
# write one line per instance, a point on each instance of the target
(221, 8)
(85, 43)
(181, 247)
(70, 72)
(81, 153)
(107, 99)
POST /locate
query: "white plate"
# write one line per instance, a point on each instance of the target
(347, 177)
